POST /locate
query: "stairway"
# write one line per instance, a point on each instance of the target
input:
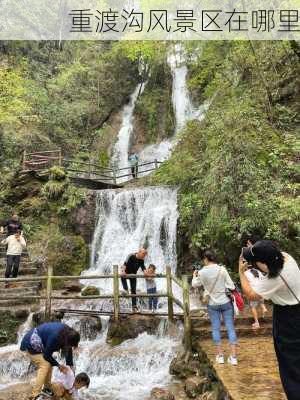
(27, 269)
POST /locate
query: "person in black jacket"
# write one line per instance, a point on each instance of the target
(131, 266)
(40, 343)
(13, 225)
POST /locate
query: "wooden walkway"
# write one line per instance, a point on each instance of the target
(256, 376)
(85, 173)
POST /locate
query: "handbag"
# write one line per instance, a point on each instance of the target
(204, 298)
(238, 299)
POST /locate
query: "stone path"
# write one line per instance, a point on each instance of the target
(256, 376)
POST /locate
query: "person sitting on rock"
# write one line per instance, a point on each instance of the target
(151, 286)
(15, 246)
(40, 343)
(12, 225)
(131, 266)
(66, 385)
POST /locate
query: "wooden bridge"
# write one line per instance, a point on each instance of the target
(87, 174)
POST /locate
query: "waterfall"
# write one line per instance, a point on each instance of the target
(129, 219)
(184, 110)
(121, 149)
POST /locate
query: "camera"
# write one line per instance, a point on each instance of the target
(196, 267)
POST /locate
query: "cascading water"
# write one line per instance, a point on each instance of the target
(129, 219)
(182, 105)
(120, 154)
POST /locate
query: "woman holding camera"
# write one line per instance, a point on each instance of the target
(216, 280)
(281, 284)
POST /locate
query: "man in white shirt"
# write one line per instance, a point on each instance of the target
(15, 246)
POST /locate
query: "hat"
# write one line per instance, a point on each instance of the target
(261, 251)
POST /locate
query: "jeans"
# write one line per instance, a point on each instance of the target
(152, 300)
(132, 282)
(215, 314)
(12, 266)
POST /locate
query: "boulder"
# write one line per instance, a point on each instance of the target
(88, 327)
(184, 367)
(129, 327)
(195, 385)
(73, 287)
(90, 291)
(161, 394)
(38, 318)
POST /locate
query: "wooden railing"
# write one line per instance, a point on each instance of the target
(46, 159)
(115, 296)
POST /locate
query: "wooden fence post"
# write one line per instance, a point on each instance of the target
(24, 160)
(48, 293)
(186, 311)
(170, 294)
(156, 163)
(116, 293)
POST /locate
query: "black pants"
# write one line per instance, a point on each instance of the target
(286, 334)
(132, 282)
(134, 172)
(12, 266)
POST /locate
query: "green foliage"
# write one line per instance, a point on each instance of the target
(9, 325)
(53, 190)
(57, 173)
(237, 169)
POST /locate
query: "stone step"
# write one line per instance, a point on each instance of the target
(10, 302)
(18, 291)
(241, 331)
(245, 321)
(22, 270)
(25, 285)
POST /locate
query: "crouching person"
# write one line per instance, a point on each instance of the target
(40, 343)
(66, 385)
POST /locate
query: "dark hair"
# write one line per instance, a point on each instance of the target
(152, 266)
(251, 238)
(68, 337)
(18, 231)
(83, 378)
(210, 255)
(268, 252)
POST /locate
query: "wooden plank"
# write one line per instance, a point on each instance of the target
(116, 293)
(186, 311)
(48, 293)
(100, 312)
(177, 281)
(178, 302)
(170, 294)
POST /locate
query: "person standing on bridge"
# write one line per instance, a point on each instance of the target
(134, 161)
(216, 280)
(281, 284)
(133, 263)
(40, 343)
(15, 246)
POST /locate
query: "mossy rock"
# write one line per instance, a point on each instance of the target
(90, 291)
(9, 326)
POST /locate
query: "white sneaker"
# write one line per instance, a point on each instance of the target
(220, 359)
(232, 360)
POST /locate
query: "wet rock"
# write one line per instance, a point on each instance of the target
(83, 217)
(183, 366)
(129, 327)
(161, 394)
(90, 291)
(88, 327)
(209, 396)
(195, 385)
(38, 318)
(73, 287)
(16, 392)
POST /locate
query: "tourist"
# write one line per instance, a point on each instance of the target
(66, 385)
(252, 274)
(40, 343)
(133, 161)
(12, 225)
(281, 284)
(15, 246)
(216, 280)
(131, 266)
(151, 286)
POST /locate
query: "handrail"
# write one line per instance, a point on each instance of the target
(115, 296)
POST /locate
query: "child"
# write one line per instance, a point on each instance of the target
(252, 275)
(66, 386)
(151, 286)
